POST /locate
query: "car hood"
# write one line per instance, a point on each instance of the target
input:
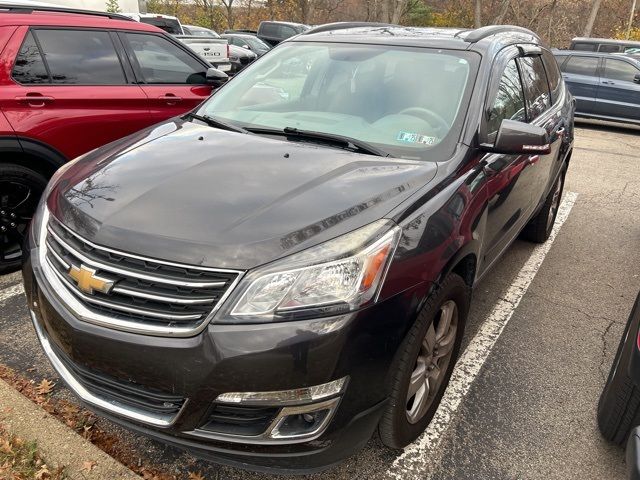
(189, 193)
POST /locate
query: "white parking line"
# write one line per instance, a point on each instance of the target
(413, 461)
(11, 291)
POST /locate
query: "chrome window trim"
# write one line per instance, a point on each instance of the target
(77, 388)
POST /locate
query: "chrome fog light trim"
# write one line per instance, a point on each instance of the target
(286, 397)
(273, 435)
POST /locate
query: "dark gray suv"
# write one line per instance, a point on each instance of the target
(606, 86)
(275, 276)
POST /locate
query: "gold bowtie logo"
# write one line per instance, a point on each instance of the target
(88, 281)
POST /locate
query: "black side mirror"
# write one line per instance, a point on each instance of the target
(636, 78)
(216, 78)
(520, 138)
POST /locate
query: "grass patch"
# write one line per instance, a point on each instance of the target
(20, 460)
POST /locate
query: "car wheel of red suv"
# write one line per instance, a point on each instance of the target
(20, 191)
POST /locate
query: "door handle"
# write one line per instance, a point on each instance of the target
(170, 98)
(533, 159)
(35, 99)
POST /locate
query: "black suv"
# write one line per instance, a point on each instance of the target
(287, 269)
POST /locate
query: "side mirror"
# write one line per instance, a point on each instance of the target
(636, 78)
(520, 138)
(216, 78)
(247, 47)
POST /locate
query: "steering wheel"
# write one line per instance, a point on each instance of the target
(431, 117)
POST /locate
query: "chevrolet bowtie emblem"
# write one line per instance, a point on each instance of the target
(88, 281)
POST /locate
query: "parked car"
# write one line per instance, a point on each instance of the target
(240, 58)
(606, 86)
(275, 32)
(605, 45)
(619, 406)
(247, 41)
(214, 50)
(288, 268)
(167, 23)
(71, 82)
(196, 31)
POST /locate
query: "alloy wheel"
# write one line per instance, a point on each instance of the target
(432, 363)
(17, 203)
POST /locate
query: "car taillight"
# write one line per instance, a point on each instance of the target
(228, 51)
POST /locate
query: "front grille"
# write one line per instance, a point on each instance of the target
(144, 291)
(239, 420)
(150, 401)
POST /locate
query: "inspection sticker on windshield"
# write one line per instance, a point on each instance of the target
(409, 137)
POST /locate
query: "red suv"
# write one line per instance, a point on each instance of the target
(71, 81)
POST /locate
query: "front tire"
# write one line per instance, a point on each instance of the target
(425, 364)
(619, 405)
(20, 191)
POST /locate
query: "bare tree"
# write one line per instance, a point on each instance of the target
(478, 14)
(504, 8)
(228, 5)
(595, 7)
(631, 15)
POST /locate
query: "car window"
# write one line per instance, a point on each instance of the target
(80, 57)
(553, 74)
(270, 30)
(329, 87)
(581, 66)
(29, 66)
(609, 48)
(619, 70)
(536, 86)
(163, 62)
(509, 101)
(584, 47)
(169, 25)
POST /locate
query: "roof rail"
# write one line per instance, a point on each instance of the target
(329, 27)
(26, 8)
(484, 32)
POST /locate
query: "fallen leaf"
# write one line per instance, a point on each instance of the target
(196, 476)
(7, 410)
(44, 387)
(88, 465)
(43, 473)
(5, 447)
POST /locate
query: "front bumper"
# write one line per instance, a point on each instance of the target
(233, 358)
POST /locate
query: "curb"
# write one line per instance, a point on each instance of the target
(57, 443)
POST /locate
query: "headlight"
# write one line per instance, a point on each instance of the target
(340, 275)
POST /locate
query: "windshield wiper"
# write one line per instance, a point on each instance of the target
(217, 123)
(338, 140)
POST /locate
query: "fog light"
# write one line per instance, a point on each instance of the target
(286, 397)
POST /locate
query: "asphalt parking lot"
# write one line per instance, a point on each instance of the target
(541, 336)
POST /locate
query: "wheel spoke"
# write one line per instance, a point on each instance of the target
(429, 342)
(417, 378)
(446, 315)
(418, 404)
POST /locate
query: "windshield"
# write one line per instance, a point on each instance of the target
(167, 24)
(409, 102)
(203, 32)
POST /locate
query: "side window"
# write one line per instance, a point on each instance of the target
(584, 47)
(536, 87)
(581, 66)
(553, 74)
(619, 70)
(29, 67)
(163, 62)
(81, 57)
(607, 48)
(509, 101)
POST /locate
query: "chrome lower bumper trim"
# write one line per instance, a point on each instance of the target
(110, 406)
